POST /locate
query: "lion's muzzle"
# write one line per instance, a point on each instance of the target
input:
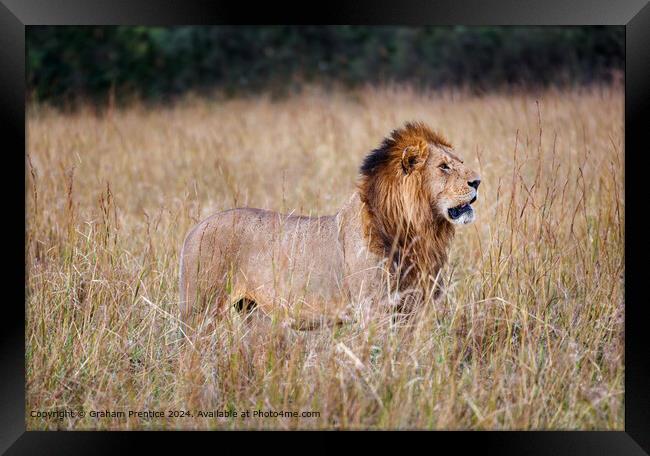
(464, 213)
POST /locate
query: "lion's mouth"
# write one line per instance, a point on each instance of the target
(456, 212)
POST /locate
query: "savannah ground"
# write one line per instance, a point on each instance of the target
(529, 335)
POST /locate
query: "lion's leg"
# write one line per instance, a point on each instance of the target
(316, 311)
(204, 301)
(406, 304)
(438, 289)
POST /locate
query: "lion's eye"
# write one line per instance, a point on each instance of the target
(444, 167)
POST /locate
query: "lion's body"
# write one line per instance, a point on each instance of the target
(385, 243)
(310, 266)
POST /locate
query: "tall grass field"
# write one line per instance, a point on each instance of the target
(529, 334)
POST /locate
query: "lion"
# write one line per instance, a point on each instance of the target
(385, 247)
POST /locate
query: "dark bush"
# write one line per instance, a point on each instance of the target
(70, 63)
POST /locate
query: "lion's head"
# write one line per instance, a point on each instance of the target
(415, 176)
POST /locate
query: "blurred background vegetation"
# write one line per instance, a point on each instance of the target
(66, 64)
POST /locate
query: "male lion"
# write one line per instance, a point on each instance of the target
(385, 247)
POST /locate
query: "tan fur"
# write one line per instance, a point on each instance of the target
(386, 244)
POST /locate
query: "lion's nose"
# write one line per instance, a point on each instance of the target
(474, 183)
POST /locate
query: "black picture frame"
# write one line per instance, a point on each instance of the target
(15, 15)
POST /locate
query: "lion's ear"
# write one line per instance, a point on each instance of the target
(413, 157)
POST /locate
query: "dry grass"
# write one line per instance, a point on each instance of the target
(529, 336)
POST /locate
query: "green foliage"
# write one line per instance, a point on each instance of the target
(68, 63)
